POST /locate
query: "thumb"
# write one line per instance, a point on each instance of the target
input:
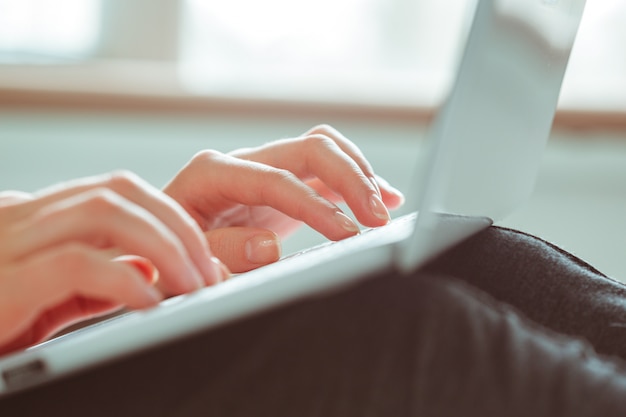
(244, 248)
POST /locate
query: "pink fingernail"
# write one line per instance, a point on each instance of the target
(262, 249)
(378, 208)
(221, 271)
(346, 222)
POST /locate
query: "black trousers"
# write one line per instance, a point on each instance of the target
(504, 324)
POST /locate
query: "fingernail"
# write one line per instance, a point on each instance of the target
(378, 208)
(346, 222)
(154, 295)
(213, 270)
(261, 249)
(143, 265)
(222, 273)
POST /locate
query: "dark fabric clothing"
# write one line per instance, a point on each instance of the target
(504, 324)
(548, 285)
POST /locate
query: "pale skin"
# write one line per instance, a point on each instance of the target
(95, 245)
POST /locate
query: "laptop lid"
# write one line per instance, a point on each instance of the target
(487, 140)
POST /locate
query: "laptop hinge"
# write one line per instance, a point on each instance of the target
(433, 234)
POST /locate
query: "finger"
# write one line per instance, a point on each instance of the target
(139, 192)
(346, 146)
(119, 224)
(143, 265)
(244, 248)
(234, 182)
(8, 198)
(54, 277)
(318, 156)
(57, 318)
(78, 308)
(392, 198)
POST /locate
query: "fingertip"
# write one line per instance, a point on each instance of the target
(186, 280)
(372, 212)
(153, 296)
(263, 249)
(347, 225)
(394, 201)
(150, 275)
(379, 209)
(392, 197)
(220, 272)
(148, 271)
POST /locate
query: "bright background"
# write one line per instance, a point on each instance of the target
(87, 86)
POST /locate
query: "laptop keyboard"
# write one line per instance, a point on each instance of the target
(402, 226)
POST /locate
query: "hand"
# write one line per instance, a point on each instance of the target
(247, 200)
(55, 261)
(56, 266)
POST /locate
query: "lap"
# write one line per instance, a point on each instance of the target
(547, 284)
(428, 344)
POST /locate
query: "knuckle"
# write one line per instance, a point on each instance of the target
(318, 139)
(276, 179)
(103, 202)
(11, 197)
(301, 209)
(316, 143)
(281, 176)
(12, 207)
(205, 156)
(123, 180)
(323, 129)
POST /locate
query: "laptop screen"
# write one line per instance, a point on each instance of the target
(486, 143)
(489, 136)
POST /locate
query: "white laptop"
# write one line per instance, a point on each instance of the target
(485, 150)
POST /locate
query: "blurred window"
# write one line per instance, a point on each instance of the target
(42, 30)
(396, 49)
(347, 47)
